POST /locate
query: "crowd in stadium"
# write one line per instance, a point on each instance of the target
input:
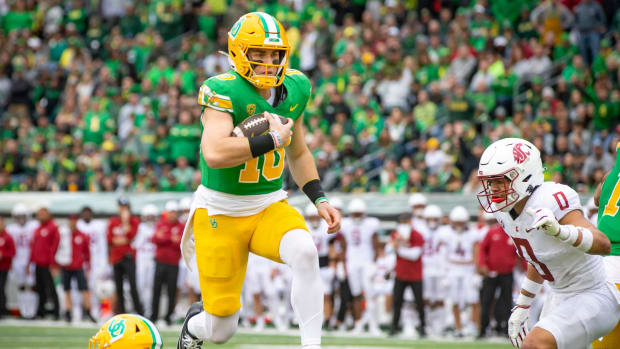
(101, 95)
(462, 274)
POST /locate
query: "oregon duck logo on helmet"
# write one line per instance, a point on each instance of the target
(127, 331)
(258, 30)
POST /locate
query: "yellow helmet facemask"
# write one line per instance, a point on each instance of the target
(127, 331)
(258, 30)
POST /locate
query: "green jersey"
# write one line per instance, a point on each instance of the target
(233, 94)
(608, 206)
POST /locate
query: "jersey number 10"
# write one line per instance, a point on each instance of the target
(612, 205)
(272, 168)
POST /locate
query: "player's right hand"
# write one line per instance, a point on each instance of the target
(284, 130)
(517, 325)
(331, 216)
(544, 220)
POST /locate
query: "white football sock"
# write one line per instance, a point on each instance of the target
(211, 328)
(298, 251)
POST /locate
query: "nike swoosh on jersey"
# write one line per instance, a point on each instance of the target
(293, 107)
(529, 230)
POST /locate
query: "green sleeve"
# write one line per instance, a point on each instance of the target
(215, 93)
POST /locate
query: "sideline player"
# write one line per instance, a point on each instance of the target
(240, 206)
(607, 198)
(559, 243)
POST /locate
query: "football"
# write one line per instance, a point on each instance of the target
(255, 125)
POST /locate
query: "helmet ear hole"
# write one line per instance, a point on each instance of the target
(137, 328)
(527, 178)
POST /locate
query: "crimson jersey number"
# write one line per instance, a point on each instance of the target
(524, 246)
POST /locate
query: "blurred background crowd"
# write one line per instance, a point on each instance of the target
(100, 95)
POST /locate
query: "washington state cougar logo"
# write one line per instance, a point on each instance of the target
(519, 154)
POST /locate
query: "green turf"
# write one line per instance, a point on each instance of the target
(31, 337)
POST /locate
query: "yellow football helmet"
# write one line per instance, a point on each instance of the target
(127, 331)
(262, 31)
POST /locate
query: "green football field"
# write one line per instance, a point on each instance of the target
(16, 336)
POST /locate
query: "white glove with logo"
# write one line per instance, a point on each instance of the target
(517, 325)
(544, 220)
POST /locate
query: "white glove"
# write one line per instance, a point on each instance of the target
(517, 325)
(544, 220)
(188, 247)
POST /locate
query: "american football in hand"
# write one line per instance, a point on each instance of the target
(255, 125)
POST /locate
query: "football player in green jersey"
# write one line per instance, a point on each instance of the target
(607, 198)
(240, 206)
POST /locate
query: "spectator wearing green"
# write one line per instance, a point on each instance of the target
(460, 107)
(183, 173)
(605, 109)
(565, 51)
(575, 71)
(185, 138)
(97, 122)
(17, 18)
(168, 14)
(524, 27)
(599, 65)
(428, 71)
(77, 16)
(160, 70)
(187, 78)
(503, 86)
(131, 23)
(480, 28)
(425, 112)
(207, 23)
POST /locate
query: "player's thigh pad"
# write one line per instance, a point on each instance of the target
(612, 339)
(221, 256)
(355, 275)
(578, 320)
(327, 276)
(273, 223)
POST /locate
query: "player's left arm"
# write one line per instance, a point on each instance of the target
(600, 242)
(305, 174)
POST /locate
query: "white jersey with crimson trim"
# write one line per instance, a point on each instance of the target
(358, 236)
(433, 253)
(96, 231)
(321, 238)
(460, 246)
(567, 269)
(22, 236)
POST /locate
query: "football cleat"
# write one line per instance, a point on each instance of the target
(186, 339)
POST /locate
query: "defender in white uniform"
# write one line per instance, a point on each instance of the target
(549, 230)
(360, 236)
(434, 268)
(417, 202)
(145, 254)
(460, 243)
(20, 279)
(100, 268)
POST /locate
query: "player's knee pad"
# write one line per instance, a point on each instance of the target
(224, 328)
(297, 249)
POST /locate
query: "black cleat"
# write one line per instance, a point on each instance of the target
(186, 339)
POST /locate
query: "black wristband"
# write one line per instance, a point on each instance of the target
(260, 145)
(314, 192)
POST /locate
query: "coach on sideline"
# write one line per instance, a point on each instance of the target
(122, 229)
